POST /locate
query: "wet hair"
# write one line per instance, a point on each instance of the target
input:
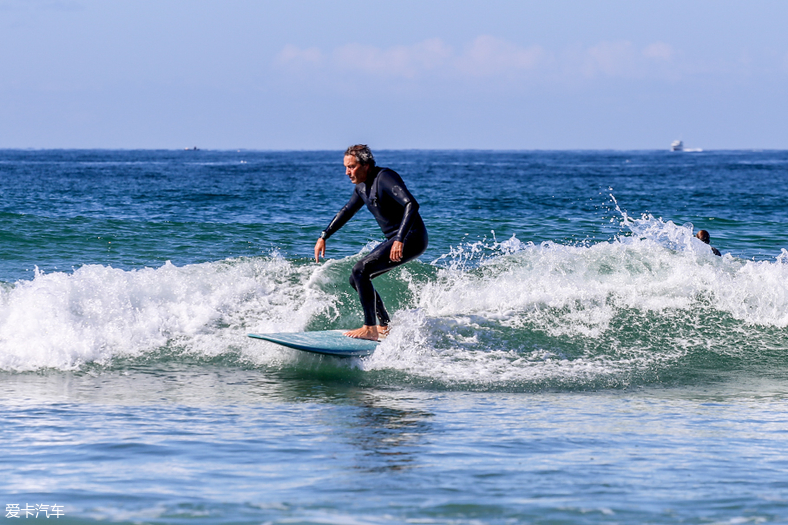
(703, 235)
(362, 153)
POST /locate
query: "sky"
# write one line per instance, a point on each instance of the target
(427, 74)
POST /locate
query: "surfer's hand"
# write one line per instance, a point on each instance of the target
(320, 249)
(396, 251)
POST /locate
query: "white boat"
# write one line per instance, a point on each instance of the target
(677, 145)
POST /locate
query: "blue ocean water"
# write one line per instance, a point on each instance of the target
(566, 351)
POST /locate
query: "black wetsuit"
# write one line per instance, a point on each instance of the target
(397, 213)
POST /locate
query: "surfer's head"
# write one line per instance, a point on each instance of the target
(362, 154)
(703, 235)
(358, 161)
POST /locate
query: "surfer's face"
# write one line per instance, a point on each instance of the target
(355, 170)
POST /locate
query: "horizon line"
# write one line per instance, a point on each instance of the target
(307, 150)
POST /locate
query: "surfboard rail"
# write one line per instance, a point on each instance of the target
(324, 342)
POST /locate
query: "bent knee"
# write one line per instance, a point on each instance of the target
(359, 270)
(357, 274)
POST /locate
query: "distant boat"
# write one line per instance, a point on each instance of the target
(195, 148)
(678, 145)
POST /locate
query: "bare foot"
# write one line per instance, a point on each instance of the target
(365, 332)
(383, 331)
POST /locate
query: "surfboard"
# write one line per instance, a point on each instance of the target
(326, 342)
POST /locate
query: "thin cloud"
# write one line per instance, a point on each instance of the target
(295, 56)
(658, 51)
(484, 56)
(398, 61)
(487, 57)
(621, 59)
(609, 59)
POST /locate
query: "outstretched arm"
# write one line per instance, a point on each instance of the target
(339, 220)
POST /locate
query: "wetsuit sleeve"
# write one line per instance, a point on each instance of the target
(395, 188)
(345, 214)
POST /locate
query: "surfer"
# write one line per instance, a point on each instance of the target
(703, 235)
(397, 212)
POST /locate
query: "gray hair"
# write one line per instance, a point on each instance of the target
(362, 153)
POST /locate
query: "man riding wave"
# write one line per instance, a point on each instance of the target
(397, 212)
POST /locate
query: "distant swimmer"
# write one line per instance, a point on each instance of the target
(703, 235)
(397, 212)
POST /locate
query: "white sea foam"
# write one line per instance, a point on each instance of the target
(660, 267)
(493, 312)
(96, 313)
(582, 295)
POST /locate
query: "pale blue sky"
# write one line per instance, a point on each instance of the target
(409, 74)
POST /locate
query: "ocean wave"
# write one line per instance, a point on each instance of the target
(98, 313)
(651, 305)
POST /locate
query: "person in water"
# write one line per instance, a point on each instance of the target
(397, 212)
(703, 235)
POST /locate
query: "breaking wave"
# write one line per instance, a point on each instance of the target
(650, 306)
